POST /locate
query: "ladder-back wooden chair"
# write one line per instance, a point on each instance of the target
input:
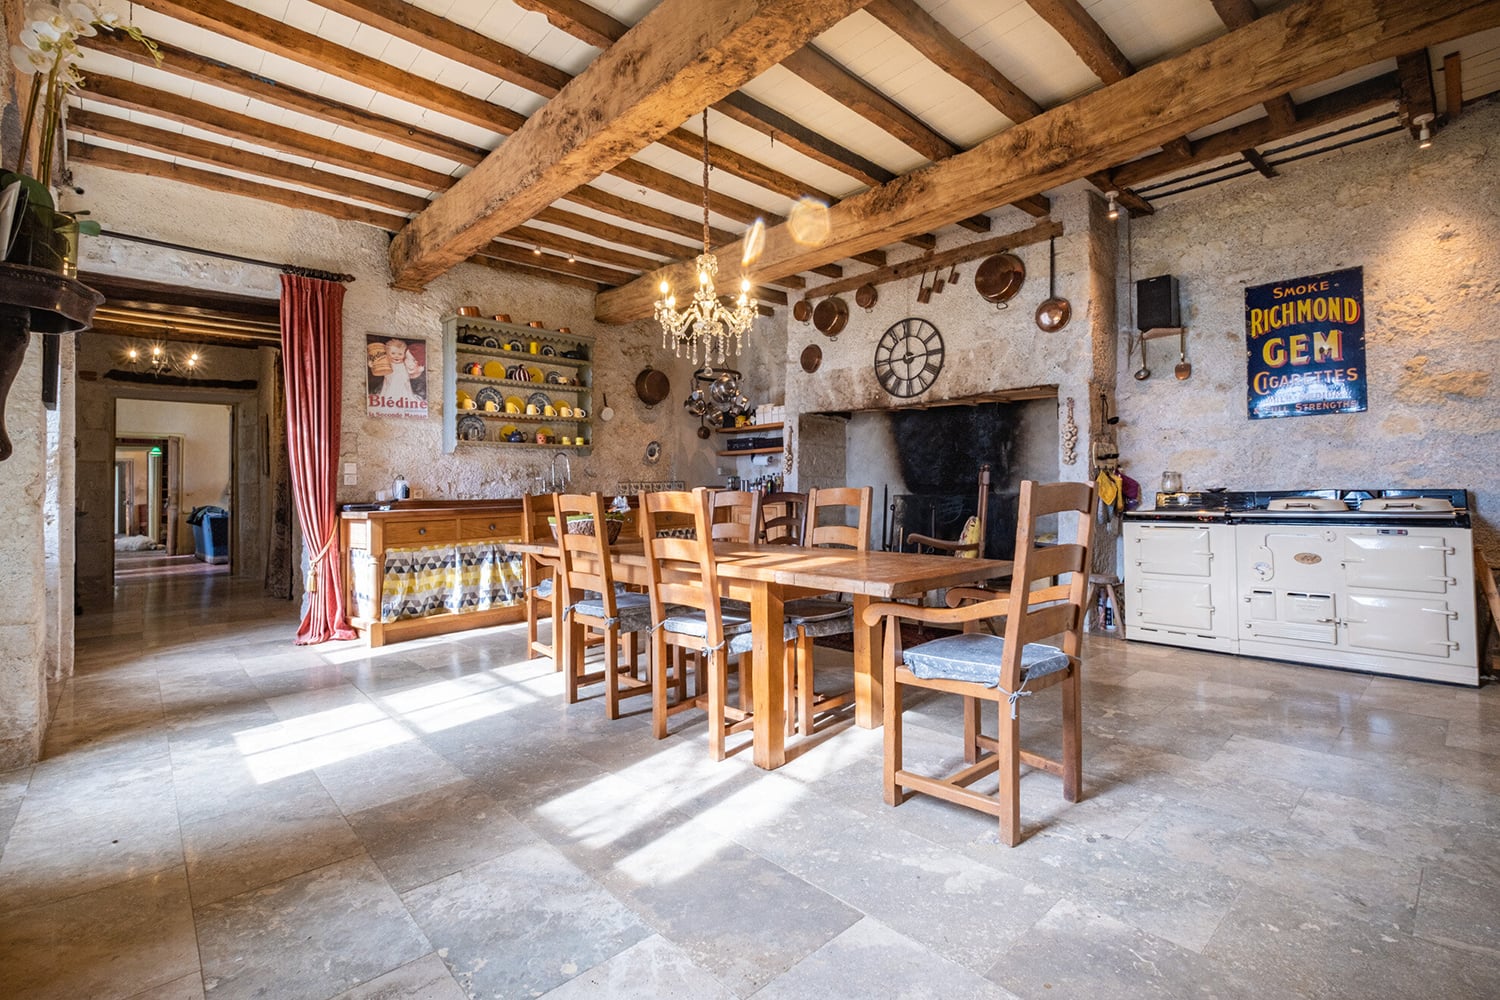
(782, 517)
(591, 604)
(539, 576)
(734, 515)
(829, 524)
(688, 614)
(1000, 670)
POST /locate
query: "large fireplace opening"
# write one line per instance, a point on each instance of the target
(924, 464)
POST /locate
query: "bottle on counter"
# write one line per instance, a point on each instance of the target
(401, 489)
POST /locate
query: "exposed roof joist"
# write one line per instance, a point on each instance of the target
(1296, 46)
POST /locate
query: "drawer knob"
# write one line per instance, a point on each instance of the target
(492, 527)
(421, 531)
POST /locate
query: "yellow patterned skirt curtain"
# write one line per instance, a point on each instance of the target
(437, 579)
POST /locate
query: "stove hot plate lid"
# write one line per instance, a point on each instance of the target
(1306, 504)
(1422, 505)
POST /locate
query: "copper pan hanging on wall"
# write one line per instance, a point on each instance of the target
(999, 278)
(830, 315)
(802, 311)
(865, 296)
(652, 386)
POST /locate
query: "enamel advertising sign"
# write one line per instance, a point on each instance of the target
(1305, 345)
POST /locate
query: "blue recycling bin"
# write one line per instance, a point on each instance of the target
(210, 534)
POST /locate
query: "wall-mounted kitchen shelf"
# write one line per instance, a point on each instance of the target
(457, 355)
(750, 429)
(1163, 331)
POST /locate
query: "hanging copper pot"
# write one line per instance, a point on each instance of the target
(830, 316)
(812, 357)
(652, 386)
(802, 310)
(865, 296)
(1000, 277)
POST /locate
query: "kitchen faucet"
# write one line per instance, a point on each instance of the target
(567, 475)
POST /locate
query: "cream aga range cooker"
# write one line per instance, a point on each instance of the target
(1372, 580)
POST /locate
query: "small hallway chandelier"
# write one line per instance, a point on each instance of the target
(707, 322)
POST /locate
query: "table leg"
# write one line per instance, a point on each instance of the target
(768, 622)
(869, 689)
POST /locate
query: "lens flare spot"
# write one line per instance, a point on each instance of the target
(755, 243)
(808, 222)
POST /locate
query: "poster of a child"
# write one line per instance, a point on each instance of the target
(397, 380)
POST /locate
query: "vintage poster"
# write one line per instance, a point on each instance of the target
(1305, 345)
(397, 376)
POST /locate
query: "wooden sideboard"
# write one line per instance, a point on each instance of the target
(369, 538)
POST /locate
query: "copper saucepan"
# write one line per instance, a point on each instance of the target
(830, 315)
(999, 278)
(866, 296)
(802, 310)
(652, 386)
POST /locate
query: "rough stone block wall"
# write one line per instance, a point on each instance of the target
(1425, 226)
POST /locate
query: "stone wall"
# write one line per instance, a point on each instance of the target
(1425, 226)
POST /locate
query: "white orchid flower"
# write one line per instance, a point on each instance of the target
(29, 61)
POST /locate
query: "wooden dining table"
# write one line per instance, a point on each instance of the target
(767, 576)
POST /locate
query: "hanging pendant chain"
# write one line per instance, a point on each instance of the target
(705, 180)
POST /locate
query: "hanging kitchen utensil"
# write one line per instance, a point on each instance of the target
(830, 316)
(812, 357)
(652, 386)
(1183, 369)
(802, 311)
(607, 413)
(999, 278)
(1054, 312)
(703, 431)
(865, 296)
(938, 282)
(953, 275)
(1143, 373)
(924, 291)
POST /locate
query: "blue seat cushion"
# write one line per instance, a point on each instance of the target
(819, 616)
(634, 610)
(544, 589)
(737, 635)
(975, 657)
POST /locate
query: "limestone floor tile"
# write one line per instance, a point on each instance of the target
(738, 915)
(107, 944)
(1374, 781)
(266, 841)
(653, 969)
(427, 978)
(374, 777)
(311, 936)
(189, 987)
(1459, 910)
(432, 834)
(522, 923)
(1077, 951)
(870, 959)
(1322, 953)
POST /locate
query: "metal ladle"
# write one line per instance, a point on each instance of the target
(1143, 373)
(1183, 369)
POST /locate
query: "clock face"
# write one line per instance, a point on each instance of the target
(909, 357)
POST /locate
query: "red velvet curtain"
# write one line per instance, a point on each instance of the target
(312, 335)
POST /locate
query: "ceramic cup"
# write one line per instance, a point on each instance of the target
(565, 410)
(534, 348)
(469, 404)
(564, 440)
(532, 410)
(490, 407)
(512, 408)
(548, 411)
(581, 413)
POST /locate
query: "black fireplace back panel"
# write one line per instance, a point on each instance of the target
(941, 450)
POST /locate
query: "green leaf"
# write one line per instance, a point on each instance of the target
(36, 191)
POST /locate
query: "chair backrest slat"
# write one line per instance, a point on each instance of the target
(734, 515)
(594, 573)
(783, 518)
(1056, 609)
(838, 501)
(682, 570)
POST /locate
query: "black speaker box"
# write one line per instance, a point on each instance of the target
(1156, 303)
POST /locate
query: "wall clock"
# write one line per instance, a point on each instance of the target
(909, 357)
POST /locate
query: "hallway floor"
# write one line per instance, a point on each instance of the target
(222, 814)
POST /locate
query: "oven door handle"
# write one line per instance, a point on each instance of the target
(1447, 613)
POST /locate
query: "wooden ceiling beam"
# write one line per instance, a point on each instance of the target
(269, 35)
(549, 240)
(191, 66)
(610, 203)
(510, 267)
(870, 104)
(942, 47)
(1453, 84)
(1236, 14)
(586, 23)
(231, 124)
(1097, 50)
(1295, 46)
(1418, 97)
(601, 230)
(741, 166)
(1351, 100)
(940, 261)
(689, 192)
(429, 31)
(683, 54)
(556, 262)
(149, 166)
(189, 147)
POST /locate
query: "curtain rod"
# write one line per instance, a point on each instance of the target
(305, 272)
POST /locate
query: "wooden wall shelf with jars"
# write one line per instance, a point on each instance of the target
(496, 373)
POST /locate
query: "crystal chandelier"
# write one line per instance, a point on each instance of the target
(707, 322)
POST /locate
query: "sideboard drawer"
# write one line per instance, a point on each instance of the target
(505, 526)
(421, 532)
